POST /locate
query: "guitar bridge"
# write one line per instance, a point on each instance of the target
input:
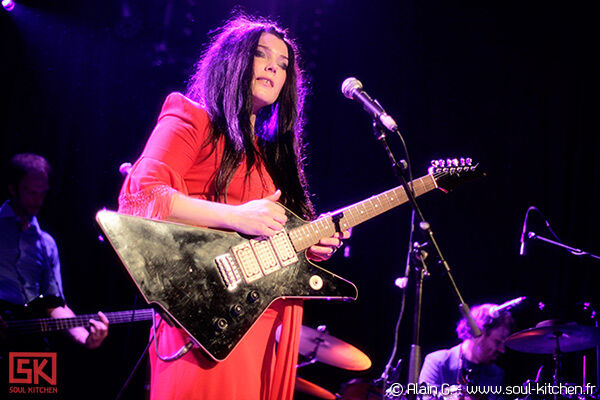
(228, 270)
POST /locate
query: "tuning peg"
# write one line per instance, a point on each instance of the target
(451, 164)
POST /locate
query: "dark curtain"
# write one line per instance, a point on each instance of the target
(511, 85)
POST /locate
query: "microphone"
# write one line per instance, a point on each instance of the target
(125, 168)
(401, 282)
(496, 310)
(353, 89)
(523, 239)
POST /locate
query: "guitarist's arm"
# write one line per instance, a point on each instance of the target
(91, 338)
(262, 217)
(154, 187)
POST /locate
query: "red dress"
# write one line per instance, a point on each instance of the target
(175, 159)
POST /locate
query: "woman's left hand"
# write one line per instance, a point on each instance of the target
(98, 332)
(327, 246)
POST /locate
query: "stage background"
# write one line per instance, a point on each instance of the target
(511, 84)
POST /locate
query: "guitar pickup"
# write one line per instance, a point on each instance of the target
(258, 258)
(246, 259)
(283, 248)
(228, 270)
(266, 255)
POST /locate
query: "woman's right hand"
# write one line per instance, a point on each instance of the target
(263, 217)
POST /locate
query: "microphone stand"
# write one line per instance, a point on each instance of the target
(420, 266)
(595, 318)
(572, 250)
(400, 170)
(579, 253)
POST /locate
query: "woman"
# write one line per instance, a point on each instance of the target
(222, 157)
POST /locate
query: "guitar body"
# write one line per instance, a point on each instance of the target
(175, 267)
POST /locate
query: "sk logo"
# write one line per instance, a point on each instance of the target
(29, 368)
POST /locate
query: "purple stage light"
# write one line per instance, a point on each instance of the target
(8, 5)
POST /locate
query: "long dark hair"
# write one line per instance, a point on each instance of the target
(222, 84)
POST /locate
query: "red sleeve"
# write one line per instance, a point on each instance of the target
(170, 152)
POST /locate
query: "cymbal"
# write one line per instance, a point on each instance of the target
(304, 386)
(542, 338)
(317, 344)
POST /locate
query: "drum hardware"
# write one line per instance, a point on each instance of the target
(528, 235)
(587, 306)
(318, 340)
(555, 337)
(319, 345)
(361, 389)
(550, 336)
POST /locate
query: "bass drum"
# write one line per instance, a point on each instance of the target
(360, 389)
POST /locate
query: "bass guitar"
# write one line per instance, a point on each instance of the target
(45, 325)
(216, 284)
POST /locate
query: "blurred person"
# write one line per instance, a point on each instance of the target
(472, 362)
(29, 262)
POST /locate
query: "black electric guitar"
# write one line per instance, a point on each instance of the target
(216, 284)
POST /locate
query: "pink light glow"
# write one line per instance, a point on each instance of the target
(8, 5)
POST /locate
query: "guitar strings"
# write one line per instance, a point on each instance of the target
(53, 324)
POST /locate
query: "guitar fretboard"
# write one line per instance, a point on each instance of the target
(57, 324)
(309, 234)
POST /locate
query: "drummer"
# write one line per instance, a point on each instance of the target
(472, 362)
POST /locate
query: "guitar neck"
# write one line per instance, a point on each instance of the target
(59, 324)
(309, 234)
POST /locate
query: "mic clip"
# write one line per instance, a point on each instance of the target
(419, 256)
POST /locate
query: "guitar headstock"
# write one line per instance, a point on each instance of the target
(451, 172)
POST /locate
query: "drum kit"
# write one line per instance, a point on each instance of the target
(317, 345)
(556, 337)
(550, 337)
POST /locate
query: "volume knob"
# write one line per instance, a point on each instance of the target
(221, 324)
(253, 296)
